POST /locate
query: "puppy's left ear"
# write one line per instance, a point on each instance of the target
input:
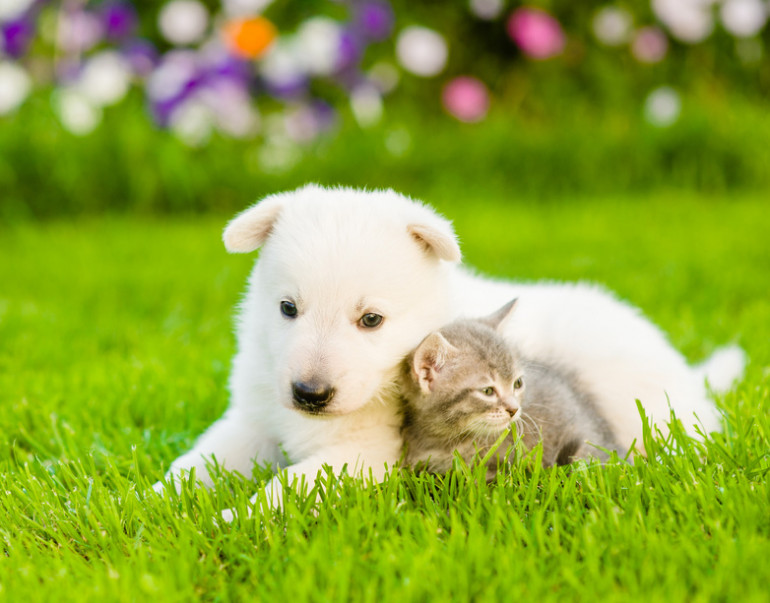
(499, 319)
(436, 235)
(249, 230)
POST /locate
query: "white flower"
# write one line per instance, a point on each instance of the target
(317, 44)
(15, 85)
(421, 51)
(245, 8)
(612, 26)
(106, 78)
(662, 107)
(76, 112)
(743, 18)
(690, 21)
(487, 9)
(183, 21)
(12, 9)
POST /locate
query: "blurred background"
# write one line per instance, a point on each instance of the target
(197, 105)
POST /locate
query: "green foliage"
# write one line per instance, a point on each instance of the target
(116, 341)
(553, 151)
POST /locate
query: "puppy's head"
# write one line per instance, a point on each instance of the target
(347, 283)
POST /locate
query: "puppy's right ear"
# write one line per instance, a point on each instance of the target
(429, 358)
(249, 230)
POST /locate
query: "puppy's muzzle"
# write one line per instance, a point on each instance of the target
(311, 396)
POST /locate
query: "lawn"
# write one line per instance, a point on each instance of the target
(115, 345)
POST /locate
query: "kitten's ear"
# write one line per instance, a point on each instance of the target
(499, 319)
(429, 358)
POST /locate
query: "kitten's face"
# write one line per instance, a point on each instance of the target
(471, 387)
(473, 402)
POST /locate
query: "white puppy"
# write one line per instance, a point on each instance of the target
(348, 282)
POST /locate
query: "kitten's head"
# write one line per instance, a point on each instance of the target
(465, 380)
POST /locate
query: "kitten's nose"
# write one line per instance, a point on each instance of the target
(311, 395)
(511, 409)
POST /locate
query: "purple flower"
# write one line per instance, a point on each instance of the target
(349, 50)
(118, 19)
(374, 20)
(142, 56)
(536, 32)
(15, 37)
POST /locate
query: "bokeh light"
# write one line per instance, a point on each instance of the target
(662, 107)
(466, 99)
(536, 32)
(183, 22)
(15, 85)
(422, 51)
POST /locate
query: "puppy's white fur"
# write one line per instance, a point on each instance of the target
(338, 254)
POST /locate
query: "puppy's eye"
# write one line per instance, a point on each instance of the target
(288, 309)
(518, 384)
(488, 391)
(370, 321)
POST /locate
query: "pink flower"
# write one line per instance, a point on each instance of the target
(650, 45)
(536, 32)
(466, 99)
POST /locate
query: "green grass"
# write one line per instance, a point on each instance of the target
(115, 343)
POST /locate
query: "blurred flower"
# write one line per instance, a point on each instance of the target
(15, 85)
(662, 107)
(231, 106)
(349, 51)
(536, 32)
(105, 78)
(172, 81)
(486, 9)
(649, 45)
(366, 104)
(373, 19)
(466, 98)
(141, 56)
(743, 18)
(15, 37)
(282, 72)
(421, 51)
(183, 22)
(318, 45)
(245, 8)
(78, 31)
(192, 122)
(612, 25)
(118, 19)
(14, 9)
(249, 37)
(76, 112)
(690, 21)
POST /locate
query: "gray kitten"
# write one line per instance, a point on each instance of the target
(464, 386)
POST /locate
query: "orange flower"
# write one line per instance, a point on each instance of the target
(249, 37)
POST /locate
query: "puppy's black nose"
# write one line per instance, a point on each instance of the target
(310, 395)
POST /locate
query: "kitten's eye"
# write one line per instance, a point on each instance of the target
(288, 309)
(488, 391)
(370, 321)
(518, 384)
